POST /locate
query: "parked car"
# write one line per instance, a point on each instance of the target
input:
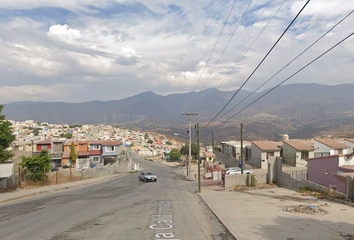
(147, 176)
(238, 171)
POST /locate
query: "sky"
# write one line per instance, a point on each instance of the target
(84, 50)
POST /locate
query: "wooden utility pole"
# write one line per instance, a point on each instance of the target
(212, 139)
(242, 163)
(190, 142)
(19, 177)
(198, 158)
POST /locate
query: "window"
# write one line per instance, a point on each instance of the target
(109, 148)
(304, 155)
(270, 154)
(44, 147)
(95, 159)
(340, 151)
(96, 147)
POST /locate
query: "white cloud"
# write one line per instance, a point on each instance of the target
(160, 45)
(64, 33)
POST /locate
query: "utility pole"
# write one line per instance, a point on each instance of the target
(190, 142)
(212, 139)
(198, 159)
(242, 163)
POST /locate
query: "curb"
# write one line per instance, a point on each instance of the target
(223, 222)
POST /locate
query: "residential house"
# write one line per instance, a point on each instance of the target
(295, 153)
(261, 151)
(110, 151)
(233, 148)
(331, 171)
(350, 143)
(95, 150)
(327, 147)
(55, 148)
(82, 152)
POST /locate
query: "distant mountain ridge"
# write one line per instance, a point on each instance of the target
(301, 110)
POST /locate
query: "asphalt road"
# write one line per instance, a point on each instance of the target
(121, 208)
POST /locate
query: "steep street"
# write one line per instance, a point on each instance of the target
(120, 208)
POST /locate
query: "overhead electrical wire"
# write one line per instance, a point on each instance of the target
(259, 34)
(305, 66)
(212, 51)
(257, 65)
(222, 53)
(315, 42)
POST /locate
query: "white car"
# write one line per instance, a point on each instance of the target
(147, 176)
(237, 171)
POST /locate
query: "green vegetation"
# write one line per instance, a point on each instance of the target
(150, 141)
(35, 131)
(6, 137)
(36, 165)
(253, 181)
(75, 126)
(73, 155)
(66, 135)
(194, 150)
(168, 143)
(174, 154)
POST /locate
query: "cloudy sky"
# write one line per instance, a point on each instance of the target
(82, 50)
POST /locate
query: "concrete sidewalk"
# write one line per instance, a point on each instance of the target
(267, 214)
(22, 193)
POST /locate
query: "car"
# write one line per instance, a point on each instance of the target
(238, 171)
(147, 176)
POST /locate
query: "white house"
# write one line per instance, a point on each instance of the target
(327, 147)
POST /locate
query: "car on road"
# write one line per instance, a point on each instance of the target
(147, 176)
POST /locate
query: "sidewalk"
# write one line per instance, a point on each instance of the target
(278, 214)
(22, 193)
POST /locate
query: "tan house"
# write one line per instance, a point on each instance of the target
(82, 151)
(261, 151)
(296, 151)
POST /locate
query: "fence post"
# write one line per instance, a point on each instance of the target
(70, 173)
(19, 177)
(44, 176)
(56, 175)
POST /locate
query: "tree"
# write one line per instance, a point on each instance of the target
(168, 143)
(194, 149)
(150, 141)
(6, 137)
(35, 131)
(73, 155)
(174, 154)
(35, 165)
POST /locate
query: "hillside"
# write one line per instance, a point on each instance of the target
(300, 110)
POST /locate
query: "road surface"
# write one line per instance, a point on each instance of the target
(120, 208)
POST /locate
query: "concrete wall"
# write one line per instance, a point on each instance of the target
(243, 179)
(9, 183)
(228, 160)
(285, 180)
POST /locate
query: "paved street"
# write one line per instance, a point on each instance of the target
(117, 208)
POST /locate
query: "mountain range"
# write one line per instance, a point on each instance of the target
(300, 110)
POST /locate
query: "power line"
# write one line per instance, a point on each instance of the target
(212, 51)
(258, 64)
(222, 53)
(290, 62)
(308, 64)
(259, 34)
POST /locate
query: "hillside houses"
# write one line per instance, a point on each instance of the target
(327, 162)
